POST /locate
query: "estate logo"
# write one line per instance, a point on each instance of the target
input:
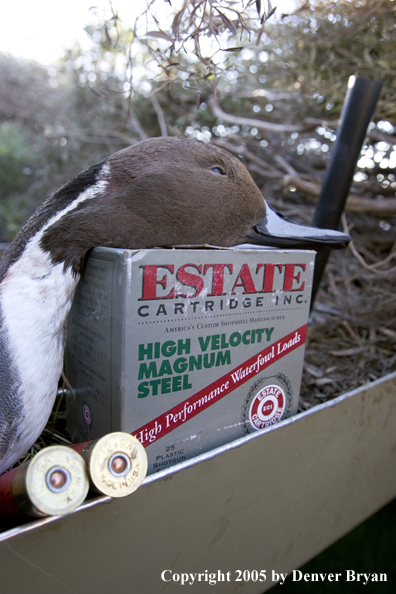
(162, 281)
(269, 400)
(267, 407)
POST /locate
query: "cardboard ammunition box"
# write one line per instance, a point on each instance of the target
(187, 349)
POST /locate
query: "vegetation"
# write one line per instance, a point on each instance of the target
(266, 86)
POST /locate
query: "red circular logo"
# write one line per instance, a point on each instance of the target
(267, 407)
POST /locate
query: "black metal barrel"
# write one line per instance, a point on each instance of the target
(358, 109)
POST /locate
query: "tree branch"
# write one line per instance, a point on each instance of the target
(382, 207)
(306, 124)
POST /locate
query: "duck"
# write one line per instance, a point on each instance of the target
(160, 192)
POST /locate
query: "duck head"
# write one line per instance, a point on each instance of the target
(162, 192)
(166, 192)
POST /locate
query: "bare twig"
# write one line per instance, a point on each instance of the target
(371, 267)
(381, 207)
(254, 123)
(306, 124)
(243, 151)
(160, 115)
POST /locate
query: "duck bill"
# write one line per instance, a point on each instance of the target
(278, 231)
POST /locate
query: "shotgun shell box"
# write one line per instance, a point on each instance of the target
(187, 349)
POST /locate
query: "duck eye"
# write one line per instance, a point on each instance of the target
(218, 170)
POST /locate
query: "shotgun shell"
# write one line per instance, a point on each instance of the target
(117, 463)
(55, 482)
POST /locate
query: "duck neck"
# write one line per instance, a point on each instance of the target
(35, 298)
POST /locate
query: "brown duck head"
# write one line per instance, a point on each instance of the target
(165, 192)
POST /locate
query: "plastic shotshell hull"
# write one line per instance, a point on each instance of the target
(117, 463)
(55, 482)
(8, 504)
